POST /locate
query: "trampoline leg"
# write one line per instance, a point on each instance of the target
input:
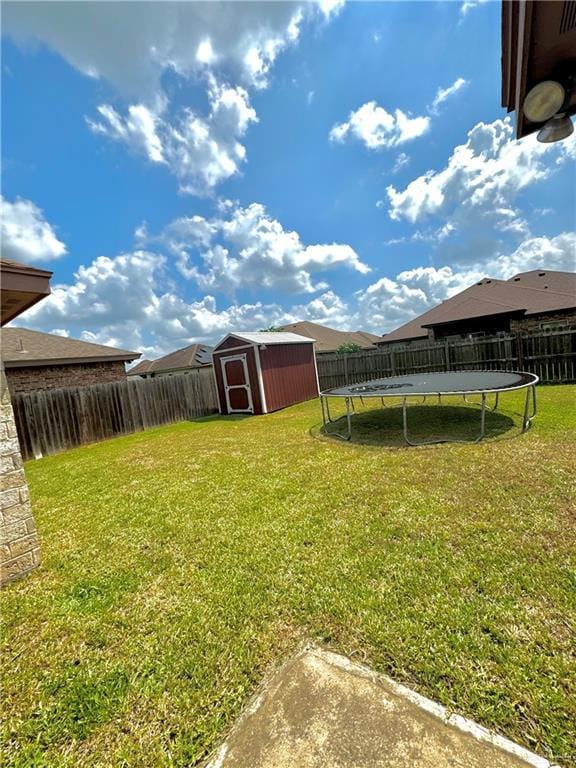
(326, 421)
(494, 408)
(405, 422)
(432, 442)
(526, 420)
(328, 412)
(348, 419)
(482, 418)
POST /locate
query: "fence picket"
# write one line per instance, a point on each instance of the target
(552, 356)
(54, 420)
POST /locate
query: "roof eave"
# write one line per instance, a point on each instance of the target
(70, 361)
(387, 340)
(474, 317)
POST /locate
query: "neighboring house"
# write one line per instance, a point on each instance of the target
(140, 369)
(20, 288)
(34, 361)
(329, 339)
(529, 302)
(181, 361)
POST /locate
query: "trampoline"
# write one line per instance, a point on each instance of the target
(426, 385)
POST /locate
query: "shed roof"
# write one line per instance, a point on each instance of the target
(22, 348)
(267, 337)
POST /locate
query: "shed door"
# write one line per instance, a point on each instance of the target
(237, 384)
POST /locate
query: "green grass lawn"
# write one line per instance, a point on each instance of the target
(182, 563)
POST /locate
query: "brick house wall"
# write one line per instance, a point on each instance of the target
(34, 378)
(532, 324)
(491, 326)
(19, 547)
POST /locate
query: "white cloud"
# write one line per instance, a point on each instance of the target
(331, 7)
(402, 160)
(423, 236)
(138, 129)
(129, 302)
(329, 308)
(442, 94)
(247, 248)
(481, 180)
(133, 45)
(556, 253)
(26, 235)
(200, 152)
(379, 129)
(122, 301)
(468, 5)
(389, 303)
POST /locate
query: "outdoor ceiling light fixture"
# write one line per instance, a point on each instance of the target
(558, 127)
(543, 101)
(547, 103)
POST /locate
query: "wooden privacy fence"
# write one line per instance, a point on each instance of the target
(551, 356)
(54, 420)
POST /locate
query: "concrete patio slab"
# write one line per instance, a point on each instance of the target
(320, 710)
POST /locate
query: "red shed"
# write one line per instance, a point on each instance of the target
(264, 371)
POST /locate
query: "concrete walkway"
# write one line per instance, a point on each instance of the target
(322, 711)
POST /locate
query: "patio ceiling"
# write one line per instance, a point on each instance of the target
(20, 288)
(538, 43)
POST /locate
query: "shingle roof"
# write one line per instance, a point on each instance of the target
(329, 339)
(268, 337)
(193, 356)
(531, 293)
(142, 367)
(22, 347)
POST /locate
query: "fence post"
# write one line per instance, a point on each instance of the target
(393, 362)
(520, 352)
(447, 354)
(346, 368)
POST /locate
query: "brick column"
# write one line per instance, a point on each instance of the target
(19, 547)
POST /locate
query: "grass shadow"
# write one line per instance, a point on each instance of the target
(225, 418)
(384, 427)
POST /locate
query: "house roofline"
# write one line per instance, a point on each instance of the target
(69, 361)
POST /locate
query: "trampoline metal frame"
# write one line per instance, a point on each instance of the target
(526, 417)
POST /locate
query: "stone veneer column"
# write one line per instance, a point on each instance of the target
(19, 547)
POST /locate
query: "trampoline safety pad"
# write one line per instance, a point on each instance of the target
(437, 384)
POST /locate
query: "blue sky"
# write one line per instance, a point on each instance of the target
(191, 169)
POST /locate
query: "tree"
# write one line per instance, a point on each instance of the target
(348, 349)
(271, 329)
